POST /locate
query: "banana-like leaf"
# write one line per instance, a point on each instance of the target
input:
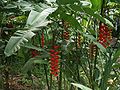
(50, 1)
(30, 63)
(38, 19)
(96, 4)
(82, 87)
(19, 38)
(91, 12)
(30, 46)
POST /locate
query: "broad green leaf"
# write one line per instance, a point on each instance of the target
(108, 22)
(100, 46)
(93, 32)
(76, 8)
(28, 66)
(10, 6)
(71, 20)
(38, 8)
(24, 5)
(19, 38)
(96, 73)
(40, 62)
(30, 46)
(97, 16)
(96, 4)
(116, 66)
(107, 69)
(94, 40)
(90, 37)
(64, 2)
(90, 12)
(117, 1)
(85, 3)
(106, 74)
(38, 19)
(44, 53)
(50, 1)
(82, 87)
(2, 67)
(116, 55)
(30, 63)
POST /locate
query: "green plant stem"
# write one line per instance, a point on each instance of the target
(102, 7)
(86, 73)
(91, 73)
(95, 63)
(64, 83)
(45, 68)
(60, 76)
(108, 67)
(77, 60)
(50, 88)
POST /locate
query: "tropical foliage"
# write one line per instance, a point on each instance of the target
(59, 44)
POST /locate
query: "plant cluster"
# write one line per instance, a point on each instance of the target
(60, 44)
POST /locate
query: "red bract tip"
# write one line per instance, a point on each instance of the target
(56, 70)
(52, 59)
(52, 68)
(52, 51)
(52, 55)
(56, 61)
(56, 57)
(56, 74)
(56, 47)
(52, 72)
(56, 53)
(34, 53)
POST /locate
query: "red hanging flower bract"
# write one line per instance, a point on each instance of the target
(54, 61)
(105, 35)
(56, 47)
(42, 40)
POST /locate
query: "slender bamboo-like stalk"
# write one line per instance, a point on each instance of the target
(78, 74)
(60, 76)
(45, 69)
(91, 74)
(50, 82)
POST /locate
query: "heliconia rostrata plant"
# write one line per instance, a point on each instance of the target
(60, 44)
(105, 35)
(54, 60)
